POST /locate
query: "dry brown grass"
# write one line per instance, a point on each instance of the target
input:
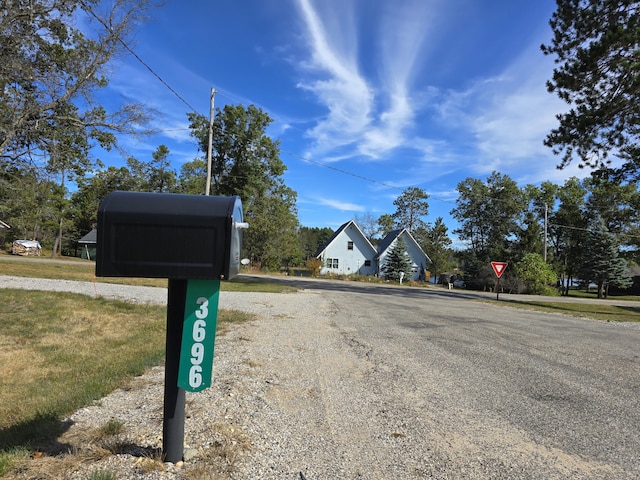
(61, 351)
(221, 459)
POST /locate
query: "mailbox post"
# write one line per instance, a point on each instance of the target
(194, 241)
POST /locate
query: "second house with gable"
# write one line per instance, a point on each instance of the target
(349, 252)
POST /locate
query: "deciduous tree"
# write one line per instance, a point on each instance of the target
(567, 227)
(537, 275)
(246, 162)
(50, 69)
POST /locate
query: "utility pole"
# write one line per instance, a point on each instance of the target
(207, 189)
(546, 214)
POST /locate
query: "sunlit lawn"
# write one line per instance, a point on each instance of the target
(598, 311)
(84, 270)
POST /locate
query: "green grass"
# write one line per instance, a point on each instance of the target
(62, 351)
(594, 294)
(608, 313)
(84, 270)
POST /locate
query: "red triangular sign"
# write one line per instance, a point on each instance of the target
(499, 268)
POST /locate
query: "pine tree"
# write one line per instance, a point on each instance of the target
(397, 261)
(603, 263)
(596, 45)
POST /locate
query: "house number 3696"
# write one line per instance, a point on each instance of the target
(198, 334)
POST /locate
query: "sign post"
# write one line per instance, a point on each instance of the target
(499, 268)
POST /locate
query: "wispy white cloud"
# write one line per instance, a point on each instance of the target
(366, 114)
(341, 87)
(339, 205)
(506, 119)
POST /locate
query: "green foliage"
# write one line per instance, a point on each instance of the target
(91, 191)
(246, 162)
(398, 260)
(271, 238)
(566, 229)
(193, 177)
(603, 263)
(11, 458)
(49, 71)
(537, 275)
(312, 239)
(596, 44)
(529, 236)
(411, 207)
(385, 225)
(436, 243)
(488, 214)
(156, 174)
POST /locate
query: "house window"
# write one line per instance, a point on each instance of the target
(367, 263)
(332, 263)
(349, 245)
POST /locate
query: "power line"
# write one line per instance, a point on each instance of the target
(137, 57)
(305, 159)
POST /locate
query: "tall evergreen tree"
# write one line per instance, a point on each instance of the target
(411, 208)
(596, 45)
(436, 244)
(603, 263)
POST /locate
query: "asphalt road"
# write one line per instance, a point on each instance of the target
(493, 382)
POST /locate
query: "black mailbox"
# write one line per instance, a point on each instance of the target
(160, 235)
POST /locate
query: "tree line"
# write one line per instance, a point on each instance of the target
(50, 121)
(245, 162)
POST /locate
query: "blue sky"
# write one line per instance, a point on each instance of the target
(403, 93)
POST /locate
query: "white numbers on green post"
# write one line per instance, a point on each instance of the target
(197, 349)
(198, 335)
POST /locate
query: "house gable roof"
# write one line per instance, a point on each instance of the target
(91, 237)
(342, 228)
(391, 236)
(387, 241)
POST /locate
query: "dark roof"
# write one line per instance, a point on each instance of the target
(335, 234)
(91, 237)
(391, 236)
(388, 240)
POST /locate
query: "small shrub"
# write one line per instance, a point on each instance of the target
(110, 429)
(314, 265)
(102, 475)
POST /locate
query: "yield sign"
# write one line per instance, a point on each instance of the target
(499, 268)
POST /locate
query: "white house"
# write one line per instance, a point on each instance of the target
(349, 251)
(419, 259)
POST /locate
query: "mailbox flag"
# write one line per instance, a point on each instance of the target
(499, 268)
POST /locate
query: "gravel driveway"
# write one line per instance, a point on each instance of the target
(339, 384)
